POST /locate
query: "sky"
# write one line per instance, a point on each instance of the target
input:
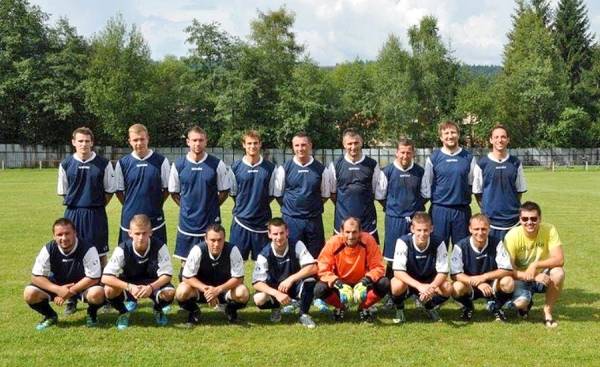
(332, 31)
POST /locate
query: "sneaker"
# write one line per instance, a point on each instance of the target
(388, 303)
(307, 321)
(46, 323)
(123, 321)
(321, 305)
(338, 314)
(160, 318)
(231, 313)
(131, 306)
(399, 318)
(275, 315)
(193, 319)
(433, 314)
(467, 314)
(70, 308)
(291, 308)
(366, 315)
(499, 315)
(91, 321)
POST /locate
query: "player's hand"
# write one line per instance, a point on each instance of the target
(211, 293)
(346, 292)
(64, 291)
(476, 280)
(486, 289)
(285, 285)
(145, 291)
(426, 291)
(359, 292)
(283, 298)
(136, 290)
(59, 301)
(213, 302)
(530, 272)
(543, 278)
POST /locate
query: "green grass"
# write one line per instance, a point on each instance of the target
(569, 200)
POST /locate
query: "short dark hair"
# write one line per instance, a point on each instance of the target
(83, 131)
(530, 206)
(421, 217)
(499, 126)
(251, 134)
(480, 217)
(276, 222)
(302, 134)
(196, 129)
(62, 222)
(405, 142)
(447, 124)
(215, 227)
(351, 133)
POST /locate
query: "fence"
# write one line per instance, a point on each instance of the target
(38, 156)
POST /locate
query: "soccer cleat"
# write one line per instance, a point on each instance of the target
(193, 319)
(291, 308)
(307, 321)
(70, 308)
(166, 309)
(231, 313)
(499, 315)
(433, 314)
(160, 318)
(91, 321)
(275, 315)
(467, 314)
(46, 323)
(338, 314)
(123, 321)
(388, 303)
(321, 305)
(399, 318)
(131, 306)
(365, 315)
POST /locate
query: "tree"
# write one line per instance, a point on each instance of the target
(475, 101)
(573, 129)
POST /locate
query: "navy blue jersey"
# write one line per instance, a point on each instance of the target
(403, 196)
(280, 268)
(467, 259)
(253, 189)
(214, 271)
(302, 196)
(500, 184)
(143, 183)
(355, 192)
(198, 184)
(61, 268)
(422, 265)
(84, 184)
(449, 177)
(133, 267)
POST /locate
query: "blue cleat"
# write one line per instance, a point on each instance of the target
(160, 318)
(131, 306)
(321, 305)
(123, 321)
(46, 323)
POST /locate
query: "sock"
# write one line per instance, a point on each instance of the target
(306, 297)
(271, 303)
(372, 298)
(399, 301)
(334, 300)
(158, 306)
(189, 305)
(93, 310)
(435, 301)
(235, 305)
(502, 298)
(118, 303)
(44, 308)
(465, 300)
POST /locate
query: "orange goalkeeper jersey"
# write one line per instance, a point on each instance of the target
(350, 264)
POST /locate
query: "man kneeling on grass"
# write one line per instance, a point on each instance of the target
(213, 274)
(284, 272)
(420, 269)
(139, 268)
(481, 268)
(65, 267)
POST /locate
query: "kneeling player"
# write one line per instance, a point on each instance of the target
(213, 274)
(351, 270)
(481, 268)
(420, 269)
(139, 268)
(65, 267)
(283, 272)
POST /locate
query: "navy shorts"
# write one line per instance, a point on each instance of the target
(247, 241)
(395, 227)
(308, 230)
(184, 244)
(91, 225)
(450, 222)
(160, 233)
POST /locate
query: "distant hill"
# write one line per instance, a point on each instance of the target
(485, 70)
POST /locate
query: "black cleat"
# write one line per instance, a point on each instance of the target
(499, 315)
(338, 314)
(231, 313)
(366, 315)
(467, 314)
(193, 318)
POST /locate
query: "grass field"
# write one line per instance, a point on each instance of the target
(569, 200)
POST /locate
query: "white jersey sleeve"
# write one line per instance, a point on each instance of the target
(441, 259)
(456, 261)
(427, 180)
(302, 254)
(326, 183)
(63, 183)
(174, 185)
(471, 170)
(192, 263)
(521, 184)
(116, 263)
(379, 183)
(41, 267)
(237, 263)
(165, 267)
(279, 183)
(400, 256)
(261, 269)
(223, 181)
(232, 182)
(119, 179)
(477, 180)
(165, 170)
(332, 179)
(502, 258)
(91, 264)
(109, 179)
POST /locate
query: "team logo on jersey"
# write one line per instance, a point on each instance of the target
(480, 257)
(501, 167)
(353, 168)
(68, 260)
(252, 171)
(143, 261)
(303, 171)
(283, 261)
(142, 165)
(215, 263)
(451, 160)
(83, 167)
(196, 168)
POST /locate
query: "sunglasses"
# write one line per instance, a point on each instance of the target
(529, 219)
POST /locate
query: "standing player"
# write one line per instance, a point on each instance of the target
(213, 274)
(86, 182)
(66, 267)
(498, 184)
(198, 183)
(141, 180)
(537, 254)
(283, 272)
(351, 270)
(481, 268)
(252, 186)
(420, 269)
(356, 183)
(402, 181)
(301, 187)
(447, 182)
(140, 267)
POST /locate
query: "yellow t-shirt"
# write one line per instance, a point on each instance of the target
(523, 250)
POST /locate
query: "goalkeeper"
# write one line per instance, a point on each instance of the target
(351, 270)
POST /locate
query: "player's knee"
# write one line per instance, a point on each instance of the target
(240, 294)
(31, 295)
(459, 289)
(507, 284)
(95, 295)
(521, 303)
(111, 292)
(183, 292)
(320, 289)
(557, 275)
(260, 298)
(445, 289)
(397, 286)
(167, 294)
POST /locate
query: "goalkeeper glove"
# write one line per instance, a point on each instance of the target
(345, 292)
(360, 290)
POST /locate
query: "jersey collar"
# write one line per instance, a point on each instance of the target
(417, 247)
(70, 252)
(193, 161)
(303, 165)
(402, 169)
(474, 248)
(446, 152)
(150, 152)
(250, 165)
(287, 248)
(91, 158)
(138, 254)
(492, 158)
(362, 158)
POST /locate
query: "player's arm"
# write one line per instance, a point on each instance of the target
(278, 184)
(44, 283)
(326, 266)
(228, 285)
(224, 182)
(92, 270)
(174, 186)
(375, 264)
(479, 199)
(439, 279)
(407, 279)
(477, 184)
(332, 183)
(121, 196)
(176, 198)
(109, 183)
(165, 195)
(265, 288)
(223, 195)
(165, 176)
(119, 183)
(305, 272)
(555, 260)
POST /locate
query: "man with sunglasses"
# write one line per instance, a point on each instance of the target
(536, 252)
